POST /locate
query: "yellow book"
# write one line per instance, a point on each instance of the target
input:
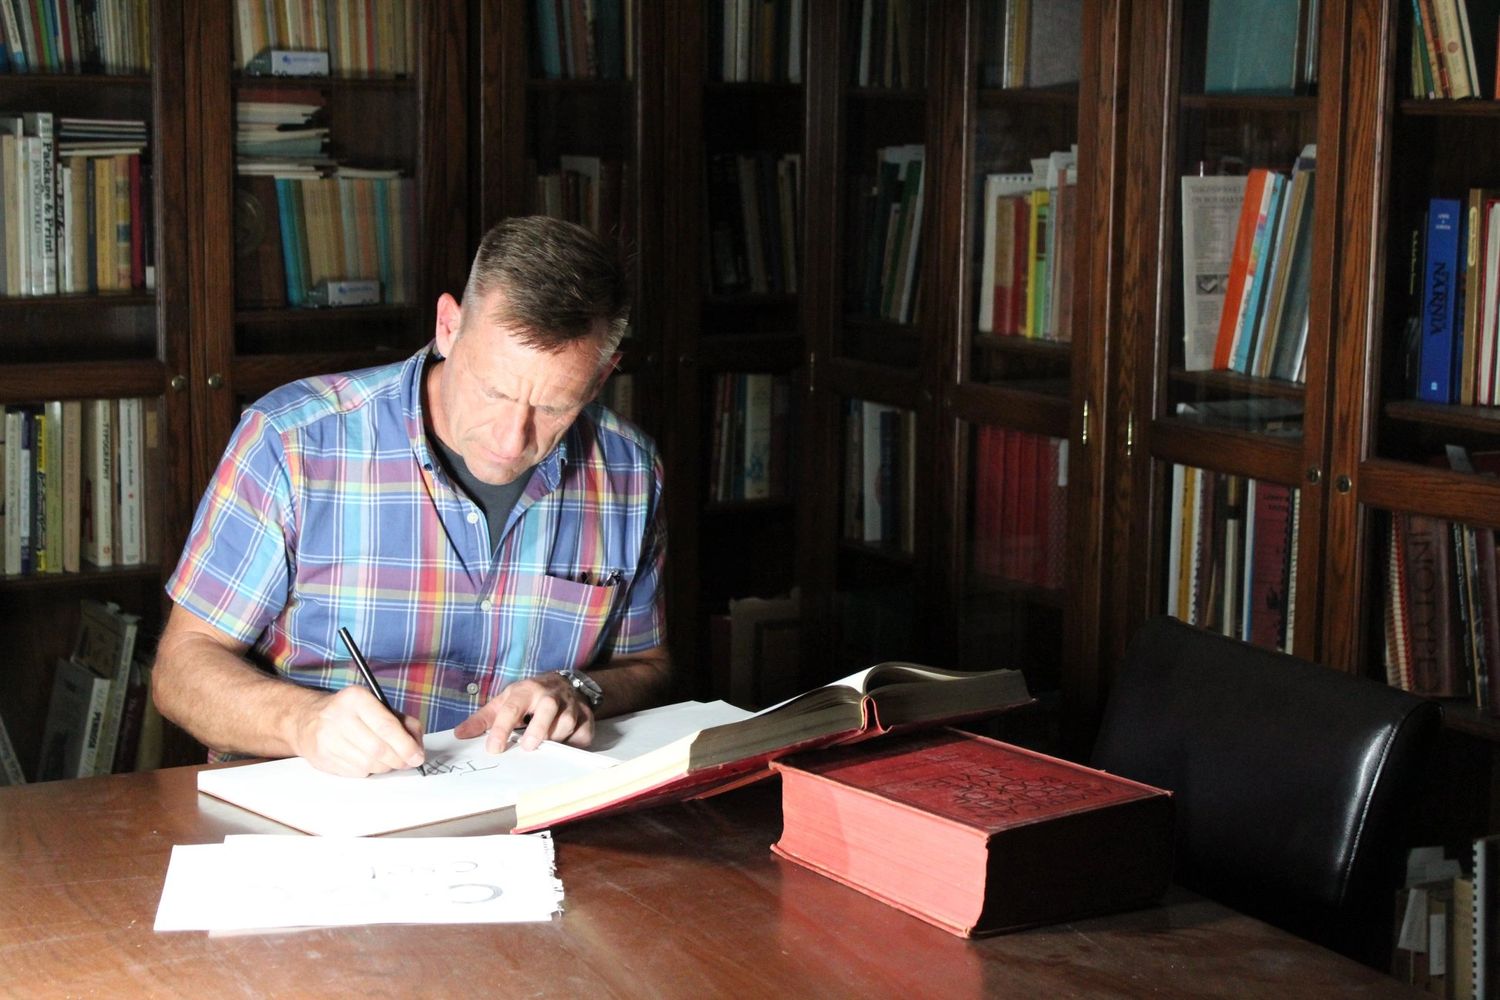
(1036, 261)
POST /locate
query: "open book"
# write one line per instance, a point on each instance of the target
(672, 752)
(880, 699)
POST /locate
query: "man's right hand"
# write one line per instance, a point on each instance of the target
(351, 733)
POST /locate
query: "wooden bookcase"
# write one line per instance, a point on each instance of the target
(107, 345)
(1365, 448)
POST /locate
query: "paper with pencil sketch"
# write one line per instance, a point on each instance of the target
(262, 882)
(461, 780)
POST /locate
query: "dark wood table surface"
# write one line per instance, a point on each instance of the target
(677, 901)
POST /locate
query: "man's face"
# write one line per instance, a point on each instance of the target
(498, 403)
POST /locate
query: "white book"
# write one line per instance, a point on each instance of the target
(1174, 545)
(757, 467)
(43, 154)
(13, 482)
(75, 713)
(98, 483)
(1210, 215)
(129, 550)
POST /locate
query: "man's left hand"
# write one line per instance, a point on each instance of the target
(554, 709)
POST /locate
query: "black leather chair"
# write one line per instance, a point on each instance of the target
(1294, 784)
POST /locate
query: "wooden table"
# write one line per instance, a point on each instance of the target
(679, 901)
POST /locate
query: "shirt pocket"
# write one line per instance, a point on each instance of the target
(569, 623)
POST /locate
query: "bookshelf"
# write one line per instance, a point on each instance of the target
(80, 345)
(397, 107)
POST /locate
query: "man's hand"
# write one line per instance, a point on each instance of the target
(351, 733)
(554, 710)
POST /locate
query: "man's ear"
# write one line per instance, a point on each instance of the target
(449, 322)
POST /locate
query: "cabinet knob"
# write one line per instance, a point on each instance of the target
(216, 381)
(178, 383)
(1315, 475)
(1343, 484)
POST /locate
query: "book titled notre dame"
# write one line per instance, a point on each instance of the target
(973, 835)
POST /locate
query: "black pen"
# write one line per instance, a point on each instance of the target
(364, 671)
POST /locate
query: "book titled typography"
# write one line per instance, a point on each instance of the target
(973, 835)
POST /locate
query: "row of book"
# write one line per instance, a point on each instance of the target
(592, 191)
(1031, 43)
(754, 222)
(892, 43)
(76, 484)
(1455, 301)
(1246, 271)
(884, 245)
(1231, 560)
(750, 451)
(76, 209)
(1020, 507)
(75, 36)
(363, 38)
(280, 131)
(583, 39)
(880, 450)
(755, 41)
(315, 229)
(1026, 268)
(1453, 49)
(100, 718)
(1446, 921)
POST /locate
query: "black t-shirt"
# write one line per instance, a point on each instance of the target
(495, 501)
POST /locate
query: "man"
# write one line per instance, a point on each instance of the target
(483, 529)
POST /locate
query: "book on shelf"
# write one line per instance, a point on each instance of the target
(888, 697)
(1439, 354)
(1210, 209)
(75, 719)
(890, 45)
(11, 772)
(658, 755)
(579, 40)
(975, 836)
(758, 649)
(1257, 46)
(879, 474)
(358, 38)
(1020, 497)
(1453, 48)
(106, 645)
(755, 41)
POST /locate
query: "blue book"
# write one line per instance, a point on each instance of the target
(1261, 255)
(1252, 47)
(289, 255)
(1440, 270)
(548, 42)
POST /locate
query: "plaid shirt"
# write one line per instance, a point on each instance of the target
(329, 508)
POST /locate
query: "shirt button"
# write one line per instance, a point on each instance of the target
(472, 688)
(473, 517)
(486, 604)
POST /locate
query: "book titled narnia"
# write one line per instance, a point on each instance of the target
(973, 835)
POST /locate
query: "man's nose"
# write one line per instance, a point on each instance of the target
(512, 429)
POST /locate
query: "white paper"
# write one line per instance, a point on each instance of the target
(461, 778)
(1210, 217)
(259, 882)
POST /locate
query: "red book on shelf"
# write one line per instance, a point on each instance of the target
(973, 835)
(1239, 265)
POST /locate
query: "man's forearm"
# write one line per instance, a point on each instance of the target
(225, 702)
(632, 683)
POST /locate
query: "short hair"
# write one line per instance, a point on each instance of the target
(558, 280)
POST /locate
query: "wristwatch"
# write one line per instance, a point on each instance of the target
(586, 686)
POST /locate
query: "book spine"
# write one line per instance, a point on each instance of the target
(1439, 295)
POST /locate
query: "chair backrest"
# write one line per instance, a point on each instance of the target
(1294, 784)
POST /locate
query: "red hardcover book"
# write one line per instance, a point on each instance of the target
(1011, 499)
(1239, 265)
(1430, 611)
(1269, 564)
(887, 698)
(973, 835)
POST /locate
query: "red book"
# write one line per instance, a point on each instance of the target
(1239, 265)
(1269, 564)
(973, 835)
